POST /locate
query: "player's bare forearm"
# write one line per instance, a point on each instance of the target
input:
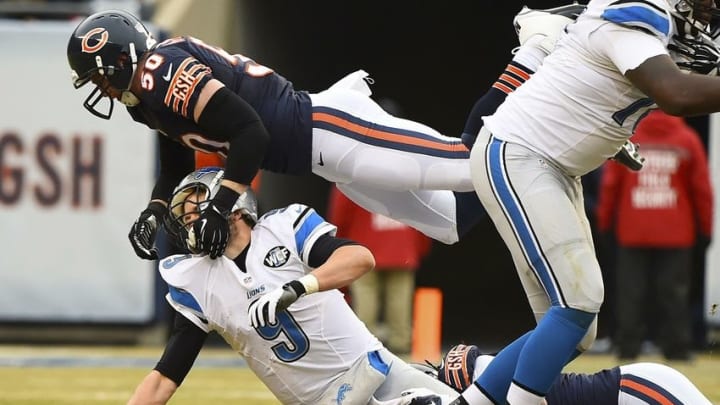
(155, 388)
(345, 265)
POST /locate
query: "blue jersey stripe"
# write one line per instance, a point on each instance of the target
(305, 227)
(521, 226)
(638, 15)
(184, 298)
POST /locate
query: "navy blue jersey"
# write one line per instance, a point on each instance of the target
(172, 76)
(600, 388)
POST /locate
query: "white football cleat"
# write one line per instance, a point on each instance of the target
(549, 23)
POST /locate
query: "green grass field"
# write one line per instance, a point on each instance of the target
(21, 383)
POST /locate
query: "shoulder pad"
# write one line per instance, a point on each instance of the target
(175, 269)
(303, 224)
(648, 15)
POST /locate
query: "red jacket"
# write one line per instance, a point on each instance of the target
(669, 201)
(393, 243)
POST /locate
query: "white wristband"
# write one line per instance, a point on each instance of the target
(310, 282)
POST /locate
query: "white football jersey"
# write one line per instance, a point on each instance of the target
(313, 343)
(579, 109)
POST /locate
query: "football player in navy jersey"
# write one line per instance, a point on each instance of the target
(201, 97)
(636, 383)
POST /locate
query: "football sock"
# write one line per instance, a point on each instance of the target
(549, 348)
(496, 378)
(521, 396)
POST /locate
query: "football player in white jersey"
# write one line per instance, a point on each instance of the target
(618, 60)
(273, 297)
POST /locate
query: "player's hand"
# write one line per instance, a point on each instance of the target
(419, 396)
(212, 230)
(143, 231)
(262, 311)
(629, 156)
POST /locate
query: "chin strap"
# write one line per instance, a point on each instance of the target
(129, 99)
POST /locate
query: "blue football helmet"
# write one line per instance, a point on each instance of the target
(110, 44)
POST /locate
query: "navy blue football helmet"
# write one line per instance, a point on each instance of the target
(109, 44)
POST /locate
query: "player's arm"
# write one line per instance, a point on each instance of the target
(180, 353)
(674, 91)
(338, 263)
(175, 162)
(155, 388)
(226, 116)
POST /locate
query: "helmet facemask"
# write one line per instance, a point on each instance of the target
(694, 46)
(192, 196)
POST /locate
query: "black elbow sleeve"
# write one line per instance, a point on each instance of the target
(227, 117)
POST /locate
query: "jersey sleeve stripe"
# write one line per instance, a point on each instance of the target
(304, 227)
(183, 85)
(639, 14)
(184, 298)
(647, 391)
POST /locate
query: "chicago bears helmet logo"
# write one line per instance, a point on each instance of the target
(99, 35)
(277, 256)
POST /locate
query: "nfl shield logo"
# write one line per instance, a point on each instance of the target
(277, 256)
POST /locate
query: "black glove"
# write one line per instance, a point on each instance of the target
(212, 230)
(143, 231)
(629, 156)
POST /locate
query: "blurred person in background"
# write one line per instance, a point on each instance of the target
(273, 298)
(385, 294)
(657, 216)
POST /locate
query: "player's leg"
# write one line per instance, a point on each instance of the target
(440, 214)
(358, 384)
(403, 377)
(538, 212)
(652, 383)
(355, 140)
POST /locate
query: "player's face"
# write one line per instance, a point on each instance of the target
(104, 84)
(190, 207)
(702, 10)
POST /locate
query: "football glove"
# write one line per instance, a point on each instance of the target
(420, 396)
(629, 156)
(262, 311)
(458, 366)
(212, 230)
(143, 231)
